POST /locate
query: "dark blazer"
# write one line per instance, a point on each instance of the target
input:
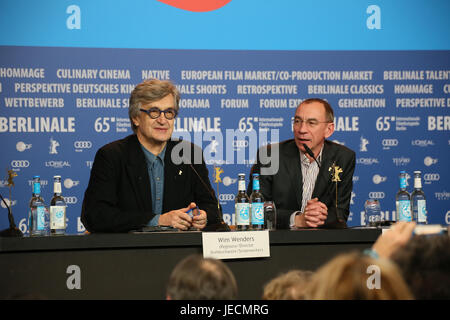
(118, 197)
(285, 186)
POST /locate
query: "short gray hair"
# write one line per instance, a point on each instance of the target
(149, 91)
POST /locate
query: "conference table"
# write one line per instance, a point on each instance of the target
(138, 265)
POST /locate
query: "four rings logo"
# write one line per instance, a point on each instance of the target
(71, 200)
(20, 163)
(430, 177)
(387, 143)
(226, 197)
(238, 144)
(80, 145)
(376, 195)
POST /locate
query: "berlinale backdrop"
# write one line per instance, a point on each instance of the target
(67, 69)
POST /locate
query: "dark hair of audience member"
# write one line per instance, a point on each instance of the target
(198, 278)
(425, 265)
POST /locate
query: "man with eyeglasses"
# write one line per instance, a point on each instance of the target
(147, 179)
(301, 186)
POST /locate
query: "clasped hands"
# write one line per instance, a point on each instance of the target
(180, 219)
(313, 216)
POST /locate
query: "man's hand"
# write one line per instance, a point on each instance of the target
(314, 215)
(199, 220)
(394, 238)
(178, 219)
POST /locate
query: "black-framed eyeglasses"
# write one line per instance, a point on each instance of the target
(308, 122)
(154, 113)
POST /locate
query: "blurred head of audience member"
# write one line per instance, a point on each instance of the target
(355, 276)
(198, 278)
(287, 286)
(425, 264)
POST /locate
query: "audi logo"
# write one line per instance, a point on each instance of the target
(389, 142)
(20, 163)
(240, 143)
(376, 195)
(226, 197)
(82, 144)
(431, 176)
(71, 200)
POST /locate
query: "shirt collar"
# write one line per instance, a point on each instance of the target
(304, 159)
(150, 157)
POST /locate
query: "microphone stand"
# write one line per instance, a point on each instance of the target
(221, 226)
(12, 231)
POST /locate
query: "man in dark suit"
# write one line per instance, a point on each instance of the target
(303, 192)
(146, 178)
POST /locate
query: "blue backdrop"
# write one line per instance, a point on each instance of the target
(66, 71)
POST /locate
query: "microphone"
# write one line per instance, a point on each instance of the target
(310, 153)
(12, 231)
(222, 225)
(340, 224)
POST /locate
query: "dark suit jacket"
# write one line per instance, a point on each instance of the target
(118, 197)
(285, 186)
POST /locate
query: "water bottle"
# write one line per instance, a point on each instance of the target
(257, 205)
(403, 200)
(270, 214)
(38, 217)
(242, 206)
(373, 212)
(57, 209)
(418, 201)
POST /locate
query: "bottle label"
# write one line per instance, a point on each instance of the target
(57, 187)
(255, 184)
(403, 182)
(37, 188)
(242, 214)
(57, 217)
(418, 183)
(421, 211)
(258, 213)
(40, 218)
(404, 210)
(241, 185)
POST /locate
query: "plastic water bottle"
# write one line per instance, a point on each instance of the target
(373, 212)
(242, 205)
(418, 201)
(257, 205)
(403, 200)
(57, 209)
(38, 217)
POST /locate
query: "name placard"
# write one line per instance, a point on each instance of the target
(236, 245)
